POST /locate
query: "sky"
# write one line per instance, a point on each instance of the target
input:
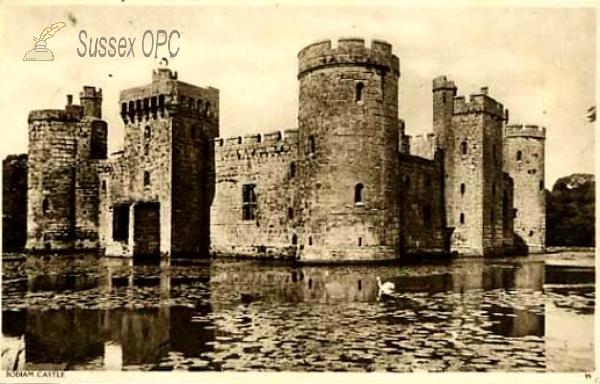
(539, 62)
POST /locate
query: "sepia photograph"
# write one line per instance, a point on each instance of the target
(202, 188)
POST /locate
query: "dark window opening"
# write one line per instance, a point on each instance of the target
(542, 185)
(359, 285)
(310, 241)
(199, 105)
(123, 108)
(146, 149)
(294, 240)
(290, 213)
(531, 233)
(407, 182)
(293, 170)
(45, 205)
(121, 223)
(360, 241)
(311, 144)
(249, 202)
(463, 188)
(103, 185)
(463, 147)
(462, 218)
(146, 178)
(519, 155)
(427, 216)
(207, 109)
(358, 193)
(359, 89)
(443, 97)
(147, 132)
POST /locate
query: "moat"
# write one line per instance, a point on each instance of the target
(528, 314)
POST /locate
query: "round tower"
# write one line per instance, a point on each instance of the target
(51, 178)
(524, 162)
(348, 151)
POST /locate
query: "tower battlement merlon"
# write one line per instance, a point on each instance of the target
(442, 83)
(349, 51)
(518, 130)
(479, 103)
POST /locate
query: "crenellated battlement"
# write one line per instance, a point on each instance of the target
(442, 83)
(518, 130)
(478, 103)
(256, 145)
(349, 51)
(62, 115)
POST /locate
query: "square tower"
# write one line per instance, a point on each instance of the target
(470, 135)
(165, 176)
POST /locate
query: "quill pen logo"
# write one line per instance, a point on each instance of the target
(40, 52)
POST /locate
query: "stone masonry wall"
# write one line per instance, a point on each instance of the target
(51, 178)
(422, 216)
(524, 148)
(268, 162)
(348, 140)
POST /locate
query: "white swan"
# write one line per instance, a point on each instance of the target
(386, 288)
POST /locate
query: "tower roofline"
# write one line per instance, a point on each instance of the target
(519, 130)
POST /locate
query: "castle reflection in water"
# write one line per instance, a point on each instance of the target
(114, 338)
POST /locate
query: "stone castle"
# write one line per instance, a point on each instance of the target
(348, 184)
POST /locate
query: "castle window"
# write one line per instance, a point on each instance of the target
(360, 241)
(45, 205)
(359, 89)
(146, 178)
(463, 147)
(443, 97)
(462, 218)
(531, 233)
(358, 188)
(427, 216)
(103, 185)
(191, 103)
(207, 109)
(182, 100)
(199, 105)
(161, 104)
(309, 240)
(290, 213)
(407, 182)
(519, 155)
(146, 149)
(294, 240)
(248, 202)
(311, 144)
(541, 185)
(123, 109)
(293, 170)
(147, 132)
(154, 106)
(462, 188)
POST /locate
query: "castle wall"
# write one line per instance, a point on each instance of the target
(524, 161)
(423, 228)
(267, 226)
(348, 140)
(14, 203)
